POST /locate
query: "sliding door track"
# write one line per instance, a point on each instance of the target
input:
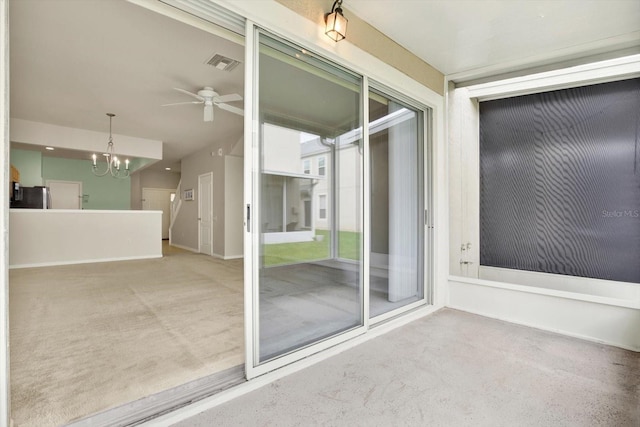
(155, 405)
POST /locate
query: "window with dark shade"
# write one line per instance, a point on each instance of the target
(560, 182)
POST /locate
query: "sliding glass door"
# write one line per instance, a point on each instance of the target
(309, 283)
(332, 166)
(396, 136)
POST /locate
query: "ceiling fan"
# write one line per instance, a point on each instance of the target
(209, 98)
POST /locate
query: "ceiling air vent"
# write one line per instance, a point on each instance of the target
(222, 62)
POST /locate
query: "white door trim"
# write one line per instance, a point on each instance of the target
(59, 181)
(199, 195)
(168, 192)
(5, 398)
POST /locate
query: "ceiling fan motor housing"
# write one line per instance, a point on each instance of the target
(207, 92)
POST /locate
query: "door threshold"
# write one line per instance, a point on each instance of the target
(155, 405)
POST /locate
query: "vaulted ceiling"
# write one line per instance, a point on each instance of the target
(74, 61)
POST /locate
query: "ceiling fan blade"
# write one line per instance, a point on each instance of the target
(208, 113)
(231, 108)
(182, 103)
(186, 92)
(228, 98)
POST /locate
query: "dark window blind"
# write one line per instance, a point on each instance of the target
(560, 182)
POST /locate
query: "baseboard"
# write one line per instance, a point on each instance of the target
(84, 261)
(161, 403)
(186, 248)
(586, 317)
(215, 255)
(547, 329)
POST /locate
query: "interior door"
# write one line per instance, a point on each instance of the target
(159, 199)
(205, 213)
(306, 263)
(65, 194)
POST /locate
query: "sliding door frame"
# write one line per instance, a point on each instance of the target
(345, 55)
(303, 32)
(253, 367)
(5, 397)
(252, 199)
(251, 255)
(366, 205)
(290, 26)
(425, 186)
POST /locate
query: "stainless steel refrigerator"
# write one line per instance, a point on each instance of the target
(31, 197)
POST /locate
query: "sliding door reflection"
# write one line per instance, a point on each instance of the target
(310, 199)
(395, 141)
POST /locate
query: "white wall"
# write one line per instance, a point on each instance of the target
(349, 189)
(349, 184)
(57, 237)
(464, 198)
(607, 320)
(44, 134)
(281, 150)
(151, 179)
(185, 228)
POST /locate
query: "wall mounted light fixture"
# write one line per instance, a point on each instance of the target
(336, 23)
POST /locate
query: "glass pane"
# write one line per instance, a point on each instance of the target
(309, 137)
(395, 141)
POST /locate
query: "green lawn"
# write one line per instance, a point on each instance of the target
(290, 253)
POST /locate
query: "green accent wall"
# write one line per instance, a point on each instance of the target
(29, 164)
(139, 162)
(103, 192)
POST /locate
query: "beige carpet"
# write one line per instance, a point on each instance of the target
(86, 338)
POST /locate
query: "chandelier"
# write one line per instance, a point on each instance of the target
(112, 161)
